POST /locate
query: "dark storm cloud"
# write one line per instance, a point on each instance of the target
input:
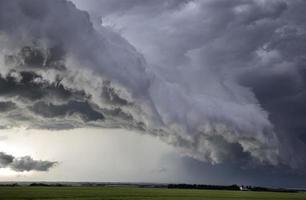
(104, 7)
(5, 159)
(28, 164)
(25, 163)
(6, 106)
(215, 67)
(72, 107)
(259, 45)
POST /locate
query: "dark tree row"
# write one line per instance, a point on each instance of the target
(210, 187)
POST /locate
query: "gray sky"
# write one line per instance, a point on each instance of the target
(91, 155)
(192, 91)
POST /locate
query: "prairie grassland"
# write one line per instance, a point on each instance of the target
(134, 193)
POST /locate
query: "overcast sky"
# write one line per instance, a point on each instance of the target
(197, 91)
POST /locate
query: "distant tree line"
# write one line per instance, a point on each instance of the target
(47, 184)
(208, 187)
(263, 189)
(10, 185)
(228, 187)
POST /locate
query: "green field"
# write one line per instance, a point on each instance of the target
(122, 193)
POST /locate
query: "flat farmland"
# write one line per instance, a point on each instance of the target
(135, 193)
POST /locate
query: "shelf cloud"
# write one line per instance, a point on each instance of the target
(226, 83)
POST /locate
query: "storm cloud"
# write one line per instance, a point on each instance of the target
(221, 80)
(251, 49)
(25, 163)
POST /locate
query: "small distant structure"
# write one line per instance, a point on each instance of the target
(243, 188)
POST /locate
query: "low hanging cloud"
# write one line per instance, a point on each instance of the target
(259, 45)
(60, 70)
(25, 163)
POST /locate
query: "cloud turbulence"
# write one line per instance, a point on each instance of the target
(225, 82)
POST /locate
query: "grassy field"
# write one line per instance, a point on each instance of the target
(131, 193)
